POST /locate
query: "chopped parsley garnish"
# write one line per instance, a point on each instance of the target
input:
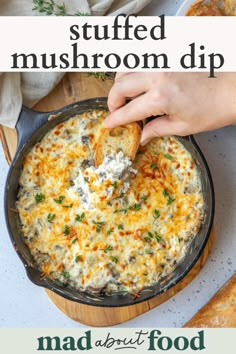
(145, 274)
(170, 200)
(147, 239)
(66, 275)
(114, 185)
(108, 248)
(66, 230)
(156, 214)
(124, 210)
(80, 217)
(114, 259)
(86, 179)
(158, 238)
(51, 217)
(110, 231)
(59, 200)
(98, 224)
(136, 206)
(188, 217)
(77, 258)
(73, 241)
(167, 194)
(39, 197)
(144, 198)
(120, 227)
(154, 166)
(68, 206)
(168, 156)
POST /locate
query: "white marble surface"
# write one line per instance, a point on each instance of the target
(23, 304)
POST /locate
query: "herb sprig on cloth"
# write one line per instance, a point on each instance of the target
(50, 7)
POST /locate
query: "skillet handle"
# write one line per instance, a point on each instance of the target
(28, 122)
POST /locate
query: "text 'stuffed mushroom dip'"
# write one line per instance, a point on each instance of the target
(121, 226)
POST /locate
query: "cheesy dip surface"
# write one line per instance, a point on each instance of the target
(113, 228)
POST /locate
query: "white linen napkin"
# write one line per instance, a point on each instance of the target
(28, 88)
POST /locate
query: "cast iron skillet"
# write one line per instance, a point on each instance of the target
(31, 127)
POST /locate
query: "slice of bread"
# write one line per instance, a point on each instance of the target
(125, 138)
(230, 7)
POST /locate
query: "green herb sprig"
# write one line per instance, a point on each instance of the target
(158, 237)
(168, 157)
(66, 275)
(68, 206)
(49, 7)
(108, 248)
(98, 224)
(103, 75)
(80, 217)
(66, 230)
(39, 197)
(51, 217)
(114, 185)
(135, 207)
(59, 200)
(156, 214)
(114, 259)
(154, 166)
(170, 199)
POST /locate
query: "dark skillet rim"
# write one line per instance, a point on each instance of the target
(30, 269)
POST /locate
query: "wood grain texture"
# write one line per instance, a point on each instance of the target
(75, 87)
(8, 138)
(220, 311)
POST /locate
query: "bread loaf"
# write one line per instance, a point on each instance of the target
(220, 311)
(230, 7)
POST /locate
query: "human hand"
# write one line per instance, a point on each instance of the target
(188, 102)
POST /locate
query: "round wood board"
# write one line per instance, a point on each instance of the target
(75, 87)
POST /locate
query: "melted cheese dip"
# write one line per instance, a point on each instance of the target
(109, 180)
(131, 233)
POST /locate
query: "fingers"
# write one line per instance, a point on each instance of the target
(163, 126)
(121, 74)
(127, 85)
(137, 109)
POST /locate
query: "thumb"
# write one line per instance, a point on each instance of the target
(162, 126)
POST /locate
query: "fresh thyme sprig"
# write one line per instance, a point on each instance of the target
(170, 199)
(98, 224)
(40, 197)
(102, 75)
(49, 7)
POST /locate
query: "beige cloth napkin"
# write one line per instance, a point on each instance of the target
(28, 88)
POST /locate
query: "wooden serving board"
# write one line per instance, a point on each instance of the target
(75, 87)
